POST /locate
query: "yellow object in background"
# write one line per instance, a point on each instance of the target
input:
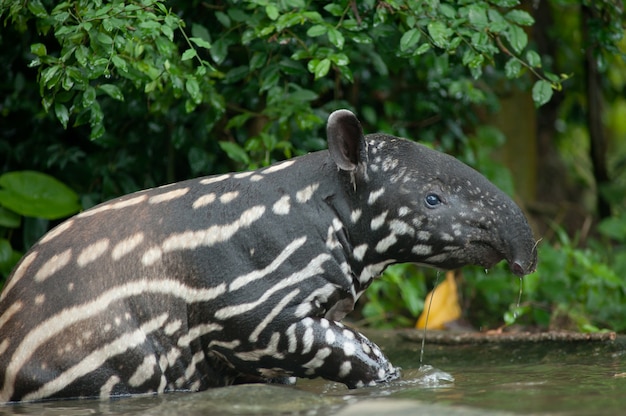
(445, 305)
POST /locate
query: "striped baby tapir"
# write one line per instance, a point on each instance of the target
(244, 277)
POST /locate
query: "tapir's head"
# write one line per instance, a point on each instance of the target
(429, 207)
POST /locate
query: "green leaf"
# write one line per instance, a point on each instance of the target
(517, 38)
(422, 49)
(319, 68)
(409, 39)
(439, 33)
(62, 114)
(235, 152)
(89, 96)
(193, 88)
(112, 91)
(334, 9)
(189, 54)
(9, 219)
(50, 76)
(219, 50)
(336, 37)
(35, 194)
(119, 63)
(520, 17)
(533, 59)
(223, 19)
(201, 42)
(272, 11)
(512, 68)
(38, 49)
(36, 8)
(104, 38)
(316, 30)
(5, 250)
(478, 16)
(542, 92)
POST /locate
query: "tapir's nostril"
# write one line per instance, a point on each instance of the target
(517, 268)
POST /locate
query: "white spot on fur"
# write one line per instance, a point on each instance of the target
(55, 232)
(203, 201)
(389, 164)
(307, 340)
(214, 179)
(318, 360)
(402, 211)
(349, 349)
(384, 244)
(105, 390)
(144, 371)
(355, 215)
(172, 327)
(255, 178)
(3, 346)
(422, 249)
(113, 206)
(304, 195)
(423, 235)
(92, 252)
(373, 270)
(10, 311)
(19, 273)
(243, 175)
(330, 336)
(292, 340)
(229, 197)
(53, 265)
(277, 167)
(401, 228)
(151, 256)
(378, 221)
(359, 252)
(39, 299)
(345, 369)
(126, 246)
(282, 206)
(168, 196)
(375, 195)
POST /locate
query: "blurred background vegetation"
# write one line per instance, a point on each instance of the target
(102, 98)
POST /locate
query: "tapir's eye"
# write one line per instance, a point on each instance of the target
(432, 200)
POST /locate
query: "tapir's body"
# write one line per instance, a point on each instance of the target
(243, 277)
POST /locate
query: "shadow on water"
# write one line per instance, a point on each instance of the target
(547, 378)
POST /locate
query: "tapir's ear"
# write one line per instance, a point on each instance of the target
(345, 136)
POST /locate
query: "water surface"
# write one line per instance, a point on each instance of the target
(548, 378)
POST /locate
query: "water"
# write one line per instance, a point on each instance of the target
(548, 378)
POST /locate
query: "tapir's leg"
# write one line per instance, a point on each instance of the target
(317, 347)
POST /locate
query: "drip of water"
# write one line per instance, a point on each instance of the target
(519, 297)
(427, 315)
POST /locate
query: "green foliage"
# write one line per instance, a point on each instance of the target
(397, 298)
(30, 194)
